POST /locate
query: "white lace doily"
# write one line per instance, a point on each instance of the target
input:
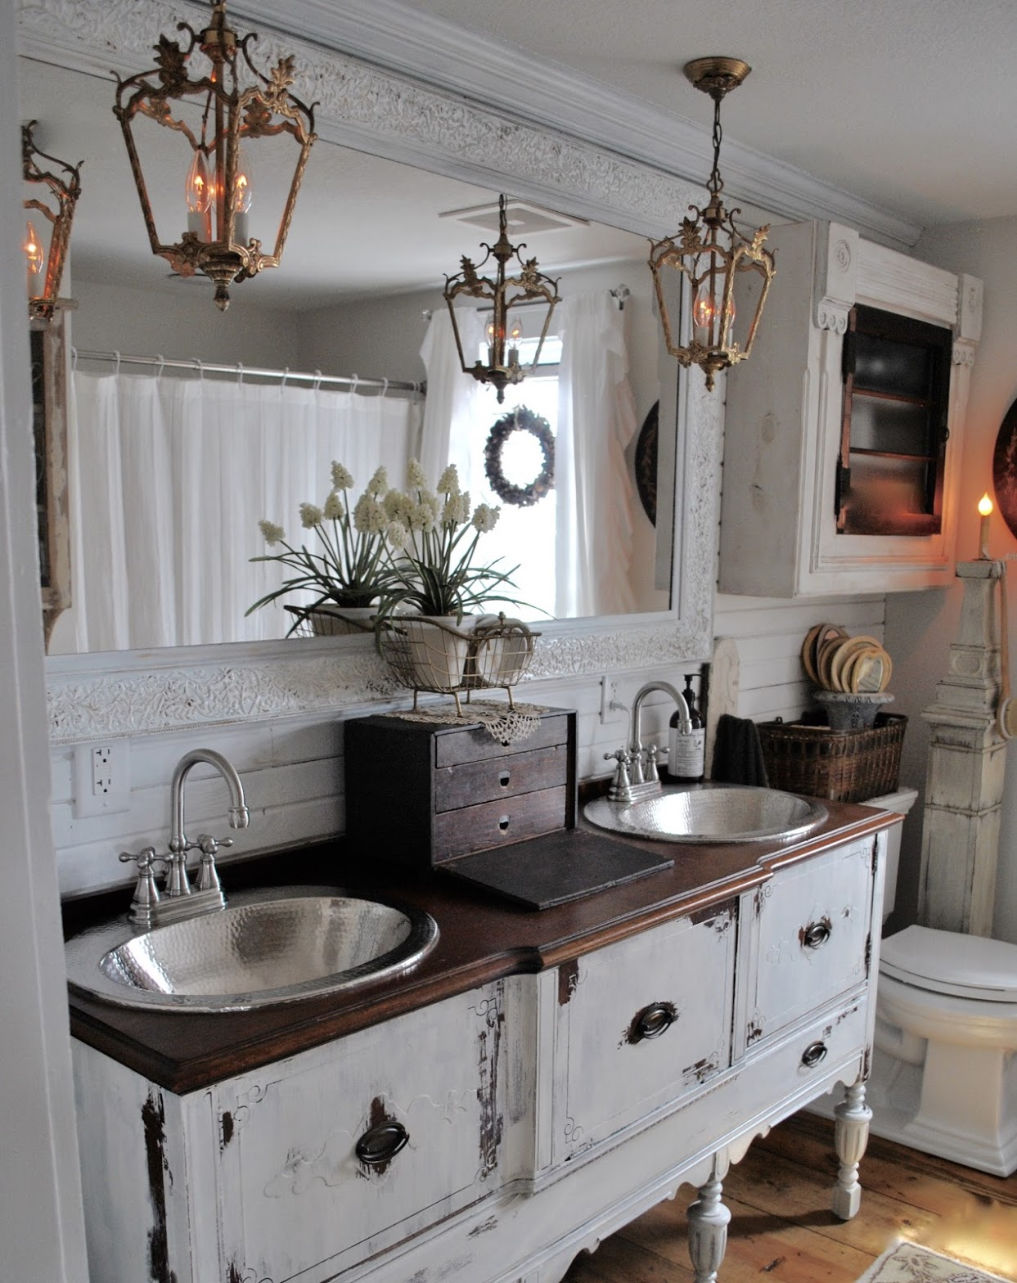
(504, 724)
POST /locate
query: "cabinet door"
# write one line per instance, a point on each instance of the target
(641, 1024)
(339, 1152)
(805, 940)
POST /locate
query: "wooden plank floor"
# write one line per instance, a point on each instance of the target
(783, 1231)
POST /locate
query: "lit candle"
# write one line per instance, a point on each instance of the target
(985, 512)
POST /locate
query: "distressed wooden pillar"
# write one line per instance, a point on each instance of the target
(967, 759)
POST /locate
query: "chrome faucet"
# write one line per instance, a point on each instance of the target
(179, 899)
(636, 774)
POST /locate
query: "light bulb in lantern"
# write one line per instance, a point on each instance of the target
(198, 195)
(243, 199)
(984, 512)
(704, 308)
(515, 334)
(707, 306)
(35, 255)
(495, 342)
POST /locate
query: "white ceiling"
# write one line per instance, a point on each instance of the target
(906, 104)
(910, 104)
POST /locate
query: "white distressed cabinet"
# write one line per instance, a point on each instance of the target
(784, 419)
(492, 1135)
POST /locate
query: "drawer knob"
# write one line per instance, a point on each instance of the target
(813, 1054)
(380, 1143)
(652, 1021)
(505, 779)
(816, 934)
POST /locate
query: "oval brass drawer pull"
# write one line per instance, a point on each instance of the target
(652, 1021)
(380, 1143)
(813, 1054)
(816, 934)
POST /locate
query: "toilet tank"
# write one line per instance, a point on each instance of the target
(901, 802)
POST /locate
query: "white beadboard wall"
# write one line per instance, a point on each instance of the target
(292, 768)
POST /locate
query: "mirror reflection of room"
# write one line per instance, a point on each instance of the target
(175, 458)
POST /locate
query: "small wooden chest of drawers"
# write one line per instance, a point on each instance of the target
(424, 793)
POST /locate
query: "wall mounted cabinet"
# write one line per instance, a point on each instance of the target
(843, 431)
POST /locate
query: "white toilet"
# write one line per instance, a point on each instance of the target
(944, 1077)
(944, 1072)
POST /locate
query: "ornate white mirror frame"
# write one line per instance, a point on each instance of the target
(390, 115)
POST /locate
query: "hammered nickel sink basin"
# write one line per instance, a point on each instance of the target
(268, 946)
(710, 813)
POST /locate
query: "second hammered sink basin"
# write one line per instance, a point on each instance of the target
(711, 813)
(270, 946)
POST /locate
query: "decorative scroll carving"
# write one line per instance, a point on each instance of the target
(832, 316)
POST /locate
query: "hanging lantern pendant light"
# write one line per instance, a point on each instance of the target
(503, 293)
(712, 254)
(217, 182)
(45, 266)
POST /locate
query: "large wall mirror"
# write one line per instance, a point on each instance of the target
(370, 244)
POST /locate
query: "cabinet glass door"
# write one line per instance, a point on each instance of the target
(893, 437)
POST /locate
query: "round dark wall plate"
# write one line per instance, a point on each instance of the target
(1004, 469)
(645, 463)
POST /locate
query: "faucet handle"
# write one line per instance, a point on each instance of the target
(620, 789)
(211, 846)
(208, 876)
(146, 893)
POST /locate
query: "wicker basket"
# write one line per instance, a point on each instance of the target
(841, 766)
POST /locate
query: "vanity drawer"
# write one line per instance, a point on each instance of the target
(339, 1152)
(491, 824)
(805, 940)
(469, 783)
(642, 1025)
(472, 743)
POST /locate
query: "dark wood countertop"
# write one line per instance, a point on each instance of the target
(483, 938)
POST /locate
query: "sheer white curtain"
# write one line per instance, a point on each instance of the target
(596, 496)
(169, 478)
(454, 411)
(588, 572)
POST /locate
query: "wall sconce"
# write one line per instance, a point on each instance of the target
(502, 294)
(45, 255)
(214, 115)
(711, 254)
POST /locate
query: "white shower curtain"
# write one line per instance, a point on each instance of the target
(596, 497)
(169, 478)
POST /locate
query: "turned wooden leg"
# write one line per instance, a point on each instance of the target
(708, 1218)
(850, 1136)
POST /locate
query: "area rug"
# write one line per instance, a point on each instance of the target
(909, 1263)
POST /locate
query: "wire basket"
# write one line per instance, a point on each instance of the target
(428, 653)
(841, 766)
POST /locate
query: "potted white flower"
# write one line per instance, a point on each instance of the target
(433, 538)
(349, 568)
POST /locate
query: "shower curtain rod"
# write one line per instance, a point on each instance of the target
(353, 381)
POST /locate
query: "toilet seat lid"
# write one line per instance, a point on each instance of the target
(951, 962)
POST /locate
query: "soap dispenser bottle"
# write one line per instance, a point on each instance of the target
(687, 749)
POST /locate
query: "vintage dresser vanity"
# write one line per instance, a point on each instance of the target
(535, 1083)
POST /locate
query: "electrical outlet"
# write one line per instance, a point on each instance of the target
(102, 779)
(610, 710)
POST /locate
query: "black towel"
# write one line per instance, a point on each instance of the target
(737, 753)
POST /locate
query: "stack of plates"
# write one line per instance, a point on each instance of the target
(852, 665)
